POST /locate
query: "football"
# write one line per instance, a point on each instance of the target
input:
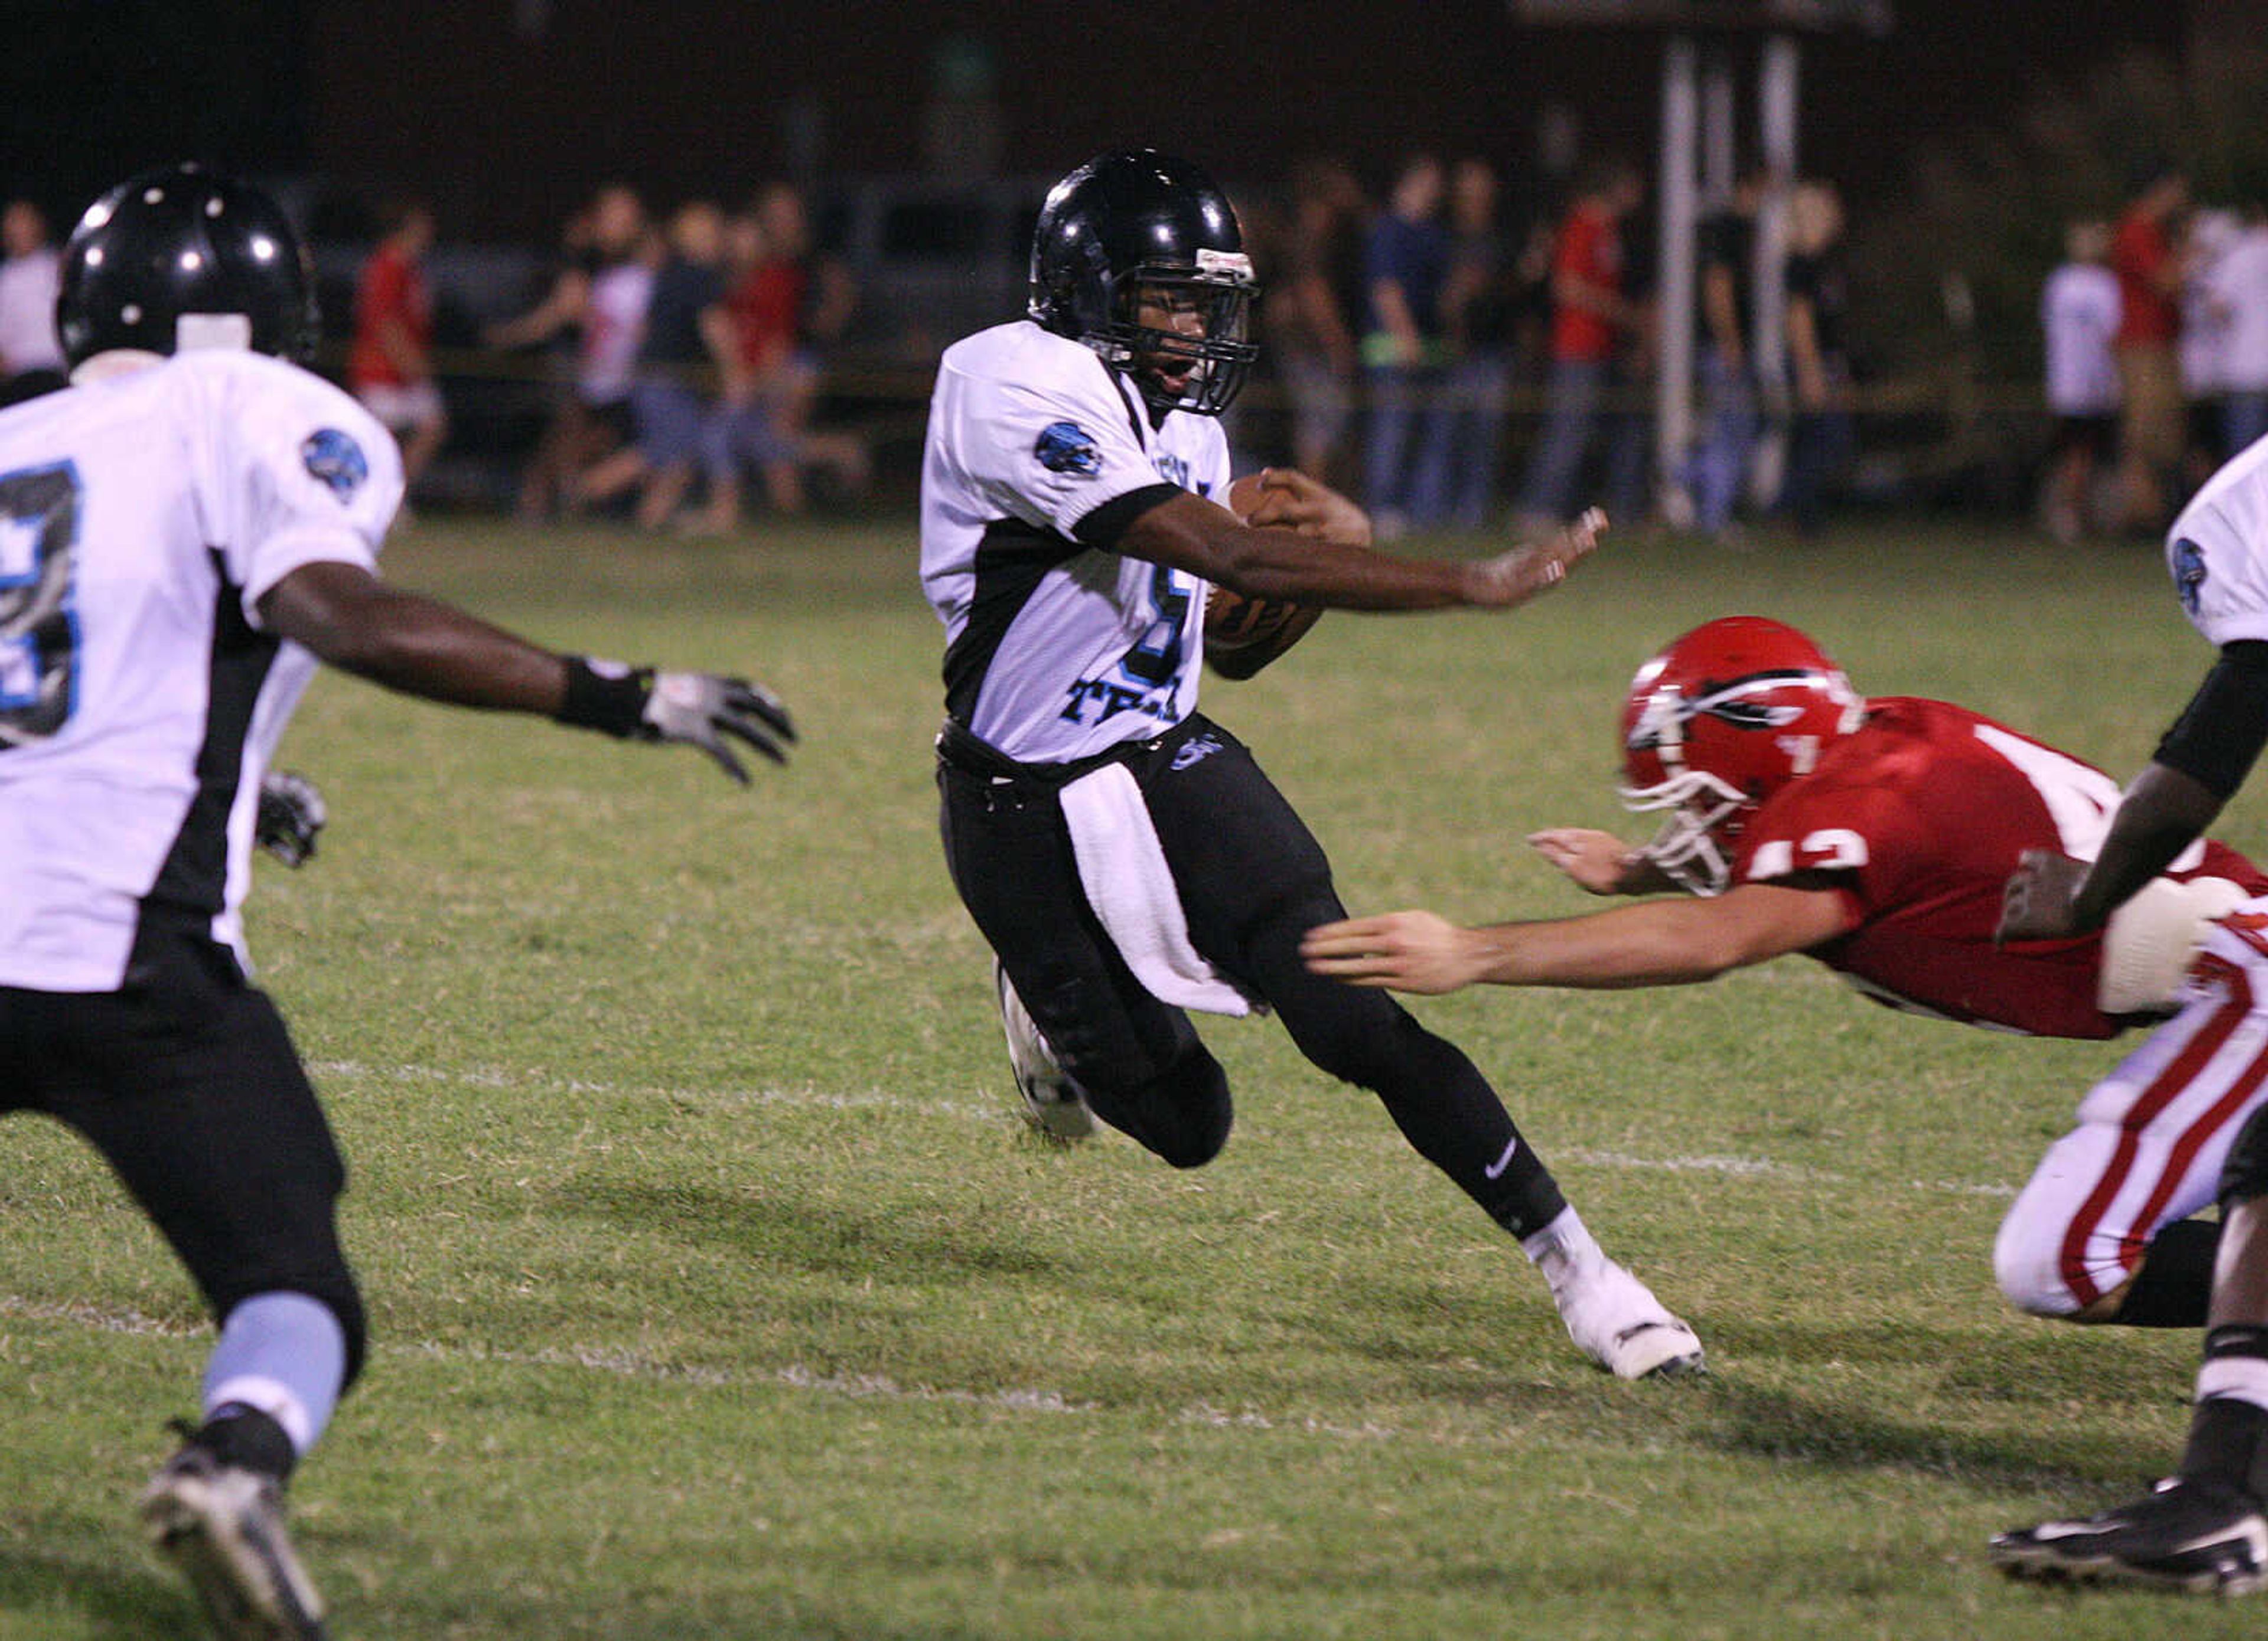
(1243, 635)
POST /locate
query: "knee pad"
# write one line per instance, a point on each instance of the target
(1198, 1113)
(2027, 1264)
(2244, 1176)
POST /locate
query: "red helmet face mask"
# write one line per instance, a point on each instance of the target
(1718, 723)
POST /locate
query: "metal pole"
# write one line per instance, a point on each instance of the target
(1776, 106)
(1680, 214)
(1777, 92)
(1720, 139)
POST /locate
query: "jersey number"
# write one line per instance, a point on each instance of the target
(1156, 657)
(2080, 800)
(39, 619)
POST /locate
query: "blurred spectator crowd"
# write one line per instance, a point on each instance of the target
(1456, 347)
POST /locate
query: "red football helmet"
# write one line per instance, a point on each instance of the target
(1719, 722)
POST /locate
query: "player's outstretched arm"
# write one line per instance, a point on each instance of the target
(1192, 533)
(1662, 943)
(422, 647)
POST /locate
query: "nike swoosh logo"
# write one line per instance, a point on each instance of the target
(1502, 1162)
(2047, 1532)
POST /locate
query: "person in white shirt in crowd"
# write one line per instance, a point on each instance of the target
(2079, 316)
(2239, 282)
(31, 358)
(2201, 351)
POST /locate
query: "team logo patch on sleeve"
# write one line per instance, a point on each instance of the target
(2189, 573)
(1067, 447)
(334, 458)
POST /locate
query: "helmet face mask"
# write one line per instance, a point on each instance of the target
(1717, 724)
(1139, 256)
(183, 258)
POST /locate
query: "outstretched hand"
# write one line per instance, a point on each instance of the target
(703, 709)
(2036, 903)
(1512, 578)
(1597, 862)
(1404, 950)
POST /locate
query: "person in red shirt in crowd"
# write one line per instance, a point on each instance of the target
(783, 304)
(1594, 324)
(2145, 254)
(390, 366)
(1875, 836)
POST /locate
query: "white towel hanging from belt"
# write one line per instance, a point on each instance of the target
(1123, 868)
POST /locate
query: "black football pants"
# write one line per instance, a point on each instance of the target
(1253, 880)
(186, 1082)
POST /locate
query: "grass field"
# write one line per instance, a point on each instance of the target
(716, 1292)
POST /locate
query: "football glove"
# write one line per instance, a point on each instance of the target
(292, 813)
(701, 708)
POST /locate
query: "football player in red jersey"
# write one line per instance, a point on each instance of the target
(1875, 836)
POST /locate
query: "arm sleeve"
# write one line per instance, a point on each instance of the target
(295, 473)
(1053, 453)
(2219, 734)
(2218, 555)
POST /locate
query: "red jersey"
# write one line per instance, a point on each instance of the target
(2139, 255)
(392, 288)
(1917, 821)
(1589, 249)
(767, 310)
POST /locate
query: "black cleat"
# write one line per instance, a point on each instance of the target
(2204, 1537)
(223, 1526)
(1053, 1103)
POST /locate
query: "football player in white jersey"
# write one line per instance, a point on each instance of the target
(184, 533)
(1123, 854)
(2206, 1528)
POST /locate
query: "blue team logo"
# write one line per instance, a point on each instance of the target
(336, 460)
(1067, 447)
(2189, 573)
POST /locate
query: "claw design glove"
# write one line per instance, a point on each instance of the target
(292, 812)
(699, 709)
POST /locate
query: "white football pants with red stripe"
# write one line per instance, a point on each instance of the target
(2152, 1136)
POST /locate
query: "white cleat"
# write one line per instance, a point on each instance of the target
(1053, 1103)
(1615, 1320)
(223, 1526)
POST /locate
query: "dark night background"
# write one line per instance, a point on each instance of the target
(504, 112)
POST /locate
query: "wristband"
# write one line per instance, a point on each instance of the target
(606, 696)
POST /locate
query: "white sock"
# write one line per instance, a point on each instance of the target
(1562, 1249)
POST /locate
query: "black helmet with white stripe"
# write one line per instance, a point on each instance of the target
(1135, 223)
(185, 257)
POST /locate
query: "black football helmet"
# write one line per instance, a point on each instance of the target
(1134, 219)
(184, 240)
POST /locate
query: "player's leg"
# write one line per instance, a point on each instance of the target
(2202, 1528)
(1254, 881)
(1138, 1062)
(2103, 1230)
(191, 1090)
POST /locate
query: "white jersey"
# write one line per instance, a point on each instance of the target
(1058, 648)
(2239, 282)
(2079, 316)
(2218, 551)
(142, 518)
(614, 325)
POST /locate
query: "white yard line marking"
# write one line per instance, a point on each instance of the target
(999, 1112)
